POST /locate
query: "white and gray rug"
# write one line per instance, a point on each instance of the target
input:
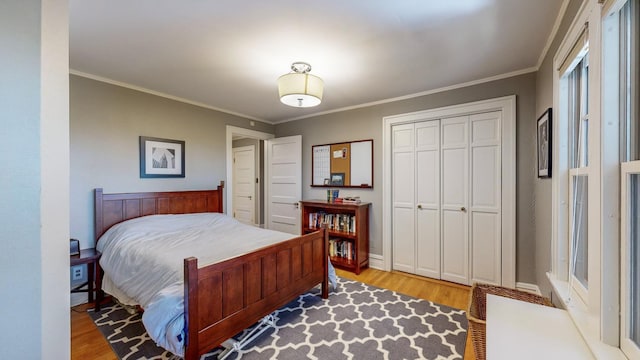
(358, 321)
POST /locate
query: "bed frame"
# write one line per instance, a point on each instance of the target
(225, 298)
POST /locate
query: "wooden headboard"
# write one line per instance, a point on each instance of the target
(111, 209)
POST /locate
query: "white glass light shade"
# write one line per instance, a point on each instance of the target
(300, 90)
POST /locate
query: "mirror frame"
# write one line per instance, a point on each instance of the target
(369, 186)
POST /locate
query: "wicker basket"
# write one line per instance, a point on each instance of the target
(477, 311)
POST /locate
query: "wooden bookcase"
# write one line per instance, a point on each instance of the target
(349, 249)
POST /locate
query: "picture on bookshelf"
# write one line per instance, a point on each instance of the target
(337, 179)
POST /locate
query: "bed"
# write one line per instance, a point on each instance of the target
(224, 298)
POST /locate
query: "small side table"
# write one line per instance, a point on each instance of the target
(90, 257)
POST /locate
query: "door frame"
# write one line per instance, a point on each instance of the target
(230, 131)
(507, 105)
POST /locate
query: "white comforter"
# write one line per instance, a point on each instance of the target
(143, 263)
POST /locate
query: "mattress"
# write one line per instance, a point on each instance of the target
(142, 259)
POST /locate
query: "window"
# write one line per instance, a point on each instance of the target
(629, 68)
(579, 248)
(630, 284)
(629, 104)
(634, 258)
(596, 193)
(578, 122)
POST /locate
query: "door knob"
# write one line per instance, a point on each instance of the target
(419, 206)
(249, 197)
(463, 209)
(297, 205)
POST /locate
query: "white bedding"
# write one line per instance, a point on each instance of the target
(143, 263)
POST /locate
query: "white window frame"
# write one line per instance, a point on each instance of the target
(631, 349)
(591, 314)
(579, 300)
(618, 170)
(578, 167)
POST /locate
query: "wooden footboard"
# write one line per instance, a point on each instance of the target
(225, 298)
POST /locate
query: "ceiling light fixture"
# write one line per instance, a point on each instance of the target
(299, 88)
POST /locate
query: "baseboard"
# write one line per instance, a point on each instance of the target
(532, 288)
(376, 262)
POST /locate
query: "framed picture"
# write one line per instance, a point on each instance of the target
(337, 178)
(544, 145)
(161, 158)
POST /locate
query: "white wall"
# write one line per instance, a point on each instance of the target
(34, 196)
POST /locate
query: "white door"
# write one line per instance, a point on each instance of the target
(403, 198)
(416, 198)
(454, 177)
(428, 198)
(284, 183)
(244, 189)
(485, 205)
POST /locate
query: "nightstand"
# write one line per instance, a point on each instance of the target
(90, 257)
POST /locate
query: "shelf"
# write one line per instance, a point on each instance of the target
(343, 263)
(341, 234)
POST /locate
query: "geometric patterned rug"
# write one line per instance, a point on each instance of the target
(358, 321)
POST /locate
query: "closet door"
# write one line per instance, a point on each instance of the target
(403, 195)
(486, 197)
(454, 137)
(427, 153)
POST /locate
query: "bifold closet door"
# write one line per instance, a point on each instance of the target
(403, 198)
(416, 198)
(447, 198)
(454, 200)
(427, 153)
(486, 198)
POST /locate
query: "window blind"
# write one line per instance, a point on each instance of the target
(580, 48)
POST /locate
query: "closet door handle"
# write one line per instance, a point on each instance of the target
(419, 206)
(463, 209)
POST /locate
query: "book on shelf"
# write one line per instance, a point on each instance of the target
(341, 248)
(351, 200)
(335, 222)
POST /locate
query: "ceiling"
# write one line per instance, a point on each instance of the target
(228, 54)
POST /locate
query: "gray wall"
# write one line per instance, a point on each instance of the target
(106, 122)
(542, 190)
(34, 196)
(366, 123)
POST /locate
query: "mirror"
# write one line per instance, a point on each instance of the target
(347, 164)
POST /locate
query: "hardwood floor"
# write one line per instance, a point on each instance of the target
(88, 343)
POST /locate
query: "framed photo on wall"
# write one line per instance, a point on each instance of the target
(161, 158)
(544, 144)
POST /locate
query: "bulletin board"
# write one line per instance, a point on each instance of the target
(346, 164)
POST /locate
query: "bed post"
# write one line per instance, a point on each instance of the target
(191, 343)
(325, 263)
(97, 215)
(220, 197)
